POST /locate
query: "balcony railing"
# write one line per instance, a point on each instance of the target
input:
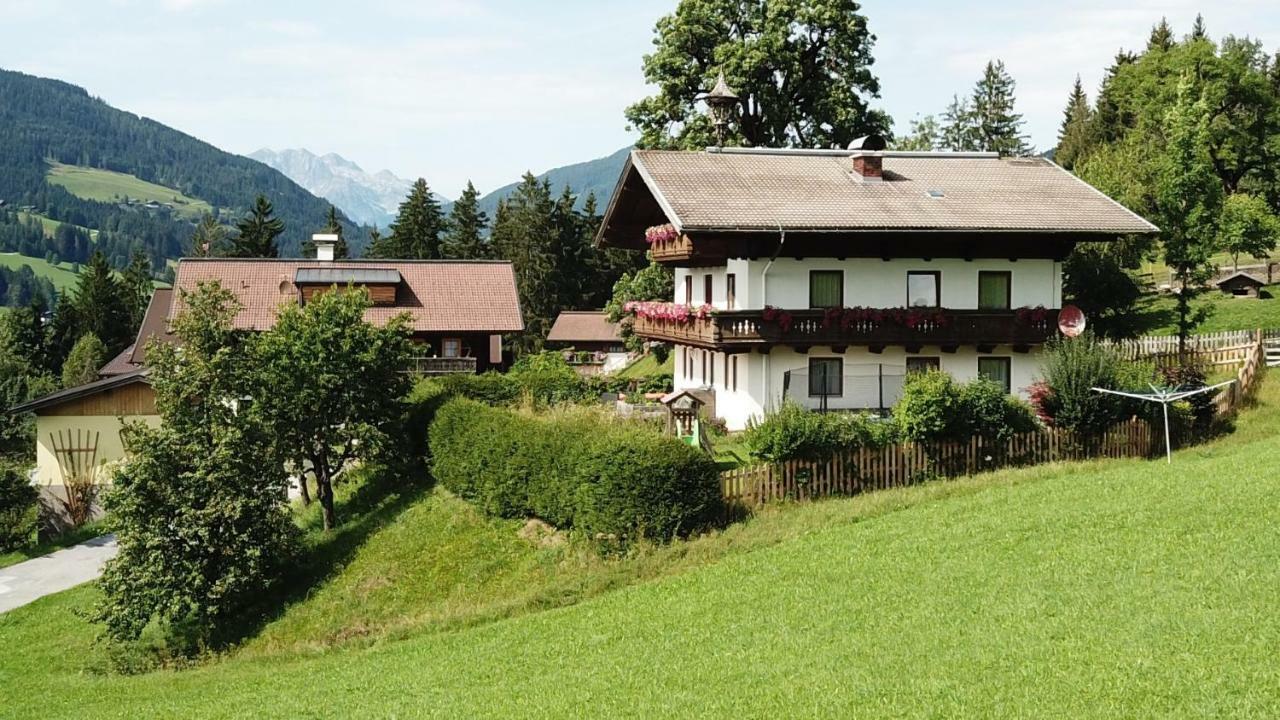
(745, 329)
(432, 366)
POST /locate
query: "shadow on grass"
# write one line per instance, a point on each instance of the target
(375, 501)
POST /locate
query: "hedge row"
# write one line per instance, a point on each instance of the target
(573, 472)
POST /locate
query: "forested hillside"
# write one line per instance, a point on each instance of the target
(48, 123)
(593, 176)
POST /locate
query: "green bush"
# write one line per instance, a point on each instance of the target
(792, 432)
(934, 407)
(1072, 367)
(19, 501)
(576, 471)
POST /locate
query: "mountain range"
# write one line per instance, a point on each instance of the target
(369, 199)
(375, 199)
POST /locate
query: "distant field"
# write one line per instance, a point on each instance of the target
(51, 225)
(1227, 312)
(108, 186)
(60, 275)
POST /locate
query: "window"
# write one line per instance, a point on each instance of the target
(451, 347)
(826, 288)
(995, 289)
(923, 364)
(924, 288)
(706, 289)
(688, 289)
(826, 377)
(733, 366)
(731, 290)
(996, 369)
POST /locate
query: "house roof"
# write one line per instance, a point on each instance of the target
(1240, 277)
(75, 393)
(155, 324)
(761, 190)
(118, 365)
(583, 326)
(437, 295)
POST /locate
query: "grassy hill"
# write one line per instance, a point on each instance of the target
(1160, 313)
(60, 275)
(108, 186)
(1121, 588)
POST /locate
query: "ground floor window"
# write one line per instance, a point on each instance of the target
(826, 377)
(923, 364)
(997, 370)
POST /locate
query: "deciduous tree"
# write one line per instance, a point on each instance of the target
(1248, 227)
(802, 69)
(86, 357)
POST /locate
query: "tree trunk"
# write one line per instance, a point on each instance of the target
(303, 491)
(324, 489)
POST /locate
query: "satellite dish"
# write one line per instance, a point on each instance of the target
(1071, 321)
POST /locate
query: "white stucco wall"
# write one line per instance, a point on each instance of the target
(871, 282)
(84, 431)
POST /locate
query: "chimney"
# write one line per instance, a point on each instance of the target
(325, 245)
(868, 158)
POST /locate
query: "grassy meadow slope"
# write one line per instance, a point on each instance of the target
(1121, 588)
(108, 186)
(1226, 312)
(60, 275)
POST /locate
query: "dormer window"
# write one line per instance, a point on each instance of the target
(381, 283)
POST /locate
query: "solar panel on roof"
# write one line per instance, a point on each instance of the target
(343, 276)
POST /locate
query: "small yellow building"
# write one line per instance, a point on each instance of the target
(78, 429)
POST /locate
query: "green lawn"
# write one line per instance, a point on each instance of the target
(108, 186)
(1107, 589)
(1159, 312)
(646, 366)
(60, 275)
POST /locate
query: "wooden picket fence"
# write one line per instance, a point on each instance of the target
(908, 463)
(1247, 378)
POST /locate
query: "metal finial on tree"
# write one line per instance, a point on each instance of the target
(720, 102)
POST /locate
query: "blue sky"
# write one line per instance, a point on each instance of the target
(485, 89)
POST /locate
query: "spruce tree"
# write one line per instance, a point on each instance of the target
(522, 228)
(208, 238)
(1198, 31)
(415, 234)
(1075, 138)
(998, 127)
(332, 226)
(100, 305)
(258, 232)
(1161, 36)
(464, 234)
(136, 287)
(958, 129)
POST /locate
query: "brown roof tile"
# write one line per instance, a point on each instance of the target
(155, 324)
(118, 365)
(583, 326)
(438, 296)
(759, 191)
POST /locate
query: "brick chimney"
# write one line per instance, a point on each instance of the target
(326, 244)
(868, 158)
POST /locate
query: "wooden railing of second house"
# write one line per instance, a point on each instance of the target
(908, 463)
(432, 366)
(743, 329)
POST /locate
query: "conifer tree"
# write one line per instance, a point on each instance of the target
(924, 135)
(86, 357)
(258, 232)
(208, 238)
(1075, 138)
(1161, 36)
(136, 287)
(958, 129)
(1198, 31)
(101, 306)
(415, 234)
(464, 234)
(998, 127)
(332, 226)
(521, 229)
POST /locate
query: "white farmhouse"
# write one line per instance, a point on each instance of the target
(825, 276)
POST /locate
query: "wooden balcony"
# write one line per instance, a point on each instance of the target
(741, 330)
(435, 366)
(685, 252)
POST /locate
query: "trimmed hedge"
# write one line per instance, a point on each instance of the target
(574, 472)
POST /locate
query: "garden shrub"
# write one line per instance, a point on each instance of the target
(573, 470)
(1201, 407)
(1072, 367)
(934, 407)
(18, 508)
(794, 433)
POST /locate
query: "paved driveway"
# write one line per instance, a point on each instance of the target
(35, 578)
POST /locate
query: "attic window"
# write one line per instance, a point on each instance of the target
(935, 194)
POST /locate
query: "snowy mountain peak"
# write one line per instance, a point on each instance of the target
(369, 199)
